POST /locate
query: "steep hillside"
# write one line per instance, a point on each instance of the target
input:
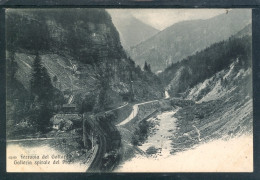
(86, 34)
(186, 38)
(132, 31)
(219, 80)
(224, 108)
(223, 83)
(245, 31)
(197, 68)
(82, 53)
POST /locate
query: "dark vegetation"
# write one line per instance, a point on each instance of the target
(44, 96)
(181, 102)
(147, 67)
(30, 111)
(206, 63)
(17, 101)
(152, 150)
(140, 133)
(90, 38)
(39, 30)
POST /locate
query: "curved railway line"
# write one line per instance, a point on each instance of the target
(109, 140)
(96, 164)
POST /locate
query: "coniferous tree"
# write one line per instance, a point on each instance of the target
(41, 86)
(42, 95)
(147, 67)
(36, 76)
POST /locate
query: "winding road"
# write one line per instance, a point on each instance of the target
(96, 163)
(97, 160)
(117, 108)
(134, 113)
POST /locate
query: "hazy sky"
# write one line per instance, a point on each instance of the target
(162, 18)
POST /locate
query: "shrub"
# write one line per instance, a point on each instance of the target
(140, 133)
(151, 150)
(134, 140)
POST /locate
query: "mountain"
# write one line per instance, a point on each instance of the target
(245, 31)
(186, 38)
(223, 108)
(132, 31)
(82, 53)
(184, 75)
(224, 101)
(219, 80)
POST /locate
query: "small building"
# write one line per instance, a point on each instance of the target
(57, 123)
(66, 121)
(62, 124)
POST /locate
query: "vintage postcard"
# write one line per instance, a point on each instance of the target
(129, 90)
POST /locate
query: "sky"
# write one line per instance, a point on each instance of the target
(163, 18)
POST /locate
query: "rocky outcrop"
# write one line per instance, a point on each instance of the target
(82, 53)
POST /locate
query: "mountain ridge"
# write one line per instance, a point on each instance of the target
(140, 31)
(194, 69)
(186, 38)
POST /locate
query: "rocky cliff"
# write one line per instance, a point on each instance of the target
(82, 53)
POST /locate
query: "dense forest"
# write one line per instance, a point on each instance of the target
(31, 108)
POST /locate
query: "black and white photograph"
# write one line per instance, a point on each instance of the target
(128, 90)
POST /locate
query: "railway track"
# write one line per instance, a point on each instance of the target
(109, 141)
(96, 164)
(105, 138)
